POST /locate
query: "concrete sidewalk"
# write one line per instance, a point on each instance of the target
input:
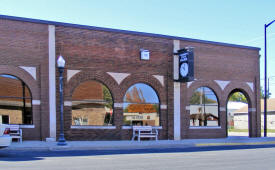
(119, 145)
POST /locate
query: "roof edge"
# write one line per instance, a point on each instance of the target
(123, 31)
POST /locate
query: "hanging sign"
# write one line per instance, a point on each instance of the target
(184, 65)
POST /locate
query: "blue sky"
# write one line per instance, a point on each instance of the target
(232, 21)
(148, 93)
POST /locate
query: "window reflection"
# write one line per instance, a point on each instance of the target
(204, 109)
(15, 101)
(92, 104)
(141, 106)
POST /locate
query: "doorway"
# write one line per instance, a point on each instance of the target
(237, 114)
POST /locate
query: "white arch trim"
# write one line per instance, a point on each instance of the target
(222, 83)
(160, 79)
(71, 73)
(250, 84)
(119, 77)
(30, 70)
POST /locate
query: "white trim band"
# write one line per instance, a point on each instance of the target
(163, 106)
(131, 127)
(68, 103)
(92, 127)
(177, 127)
(222, 109)
(187, 108)
(36, 102)
(205, 127)
(118, 105)
(52, 85)
(252, 109)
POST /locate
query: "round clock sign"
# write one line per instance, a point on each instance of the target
(184, 69)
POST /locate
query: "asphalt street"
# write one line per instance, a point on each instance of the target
(259, 157)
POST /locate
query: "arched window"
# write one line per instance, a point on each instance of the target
(141, 106)
(92, 104)
(237, 113)
(15, 101)
(204, 108)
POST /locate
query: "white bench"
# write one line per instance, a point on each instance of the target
(144, 132)
(16, 132)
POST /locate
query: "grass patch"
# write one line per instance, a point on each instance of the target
(237, 130)
(246, 130)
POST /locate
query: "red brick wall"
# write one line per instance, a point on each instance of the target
(97, 52)
(12, 87)
(216, 62)
(88, 90)
(26, 44)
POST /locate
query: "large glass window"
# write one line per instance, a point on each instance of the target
(204, 110)
(92, 104)
(141, 106)
(15, 101)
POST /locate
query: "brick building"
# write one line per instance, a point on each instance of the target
(108, 88)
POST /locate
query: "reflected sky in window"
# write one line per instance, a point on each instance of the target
(141, 93)
(9, 76)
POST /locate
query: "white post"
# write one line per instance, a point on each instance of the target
(177, 125)
(52, 86)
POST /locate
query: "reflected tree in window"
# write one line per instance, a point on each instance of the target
(15, 101)
(204, 110)
(141, 106)
(92, 104)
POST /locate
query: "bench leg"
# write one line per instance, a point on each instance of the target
(134, 137)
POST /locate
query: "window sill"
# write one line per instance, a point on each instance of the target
(26, 126)
(205, 127)
(131, 127)
(92, 127)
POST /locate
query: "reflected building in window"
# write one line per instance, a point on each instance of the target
(92, 104)
(15, 101)
(141, 106)
(204, 110)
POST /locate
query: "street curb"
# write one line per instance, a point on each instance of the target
(234, 144)
(75, 148)
(26, 149)
(133, 145)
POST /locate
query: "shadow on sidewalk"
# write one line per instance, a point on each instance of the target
(12, 156)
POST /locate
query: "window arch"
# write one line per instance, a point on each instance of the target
(204, 108)
(15, 101)
(92, 104)
(238, 112)
(141, 106)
